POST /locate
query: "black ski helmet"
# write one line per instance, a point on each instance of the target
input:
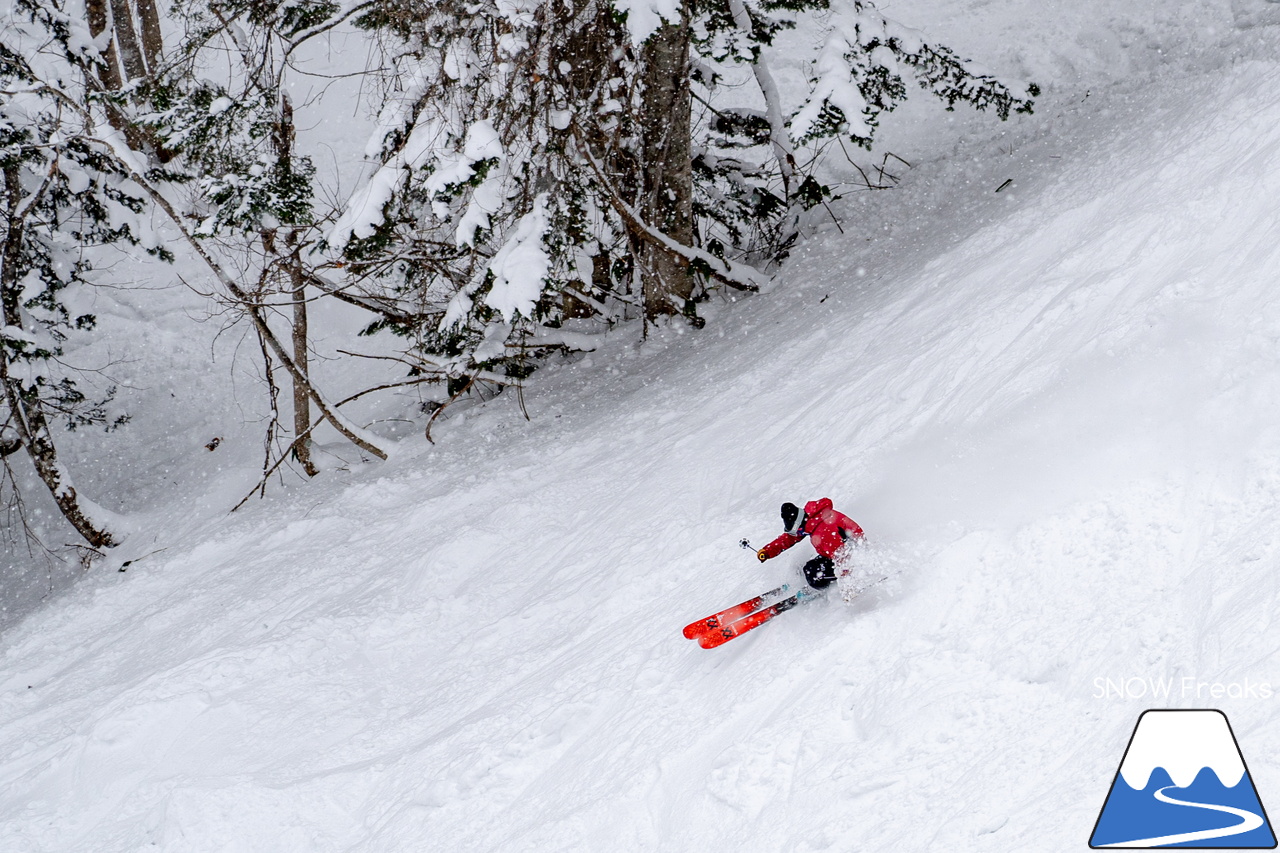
(792, 518)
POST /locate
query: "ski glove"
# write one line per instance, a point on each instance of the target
(761, 555)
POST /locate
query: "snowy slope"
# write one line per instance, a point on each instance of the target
(1053, 409)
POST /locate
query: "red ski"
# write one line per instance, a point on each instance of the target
(695, 630)
(718, 636)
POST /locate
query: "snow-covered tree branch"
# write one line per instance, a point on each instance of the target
(61, 192)
(565, 136)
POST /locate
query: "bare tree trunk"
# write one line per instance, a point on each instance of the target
(25, 407)
(152, 42)
(666, 200)
(283, 135)
(33, 428)
(301, 396)
(126, 59)
(126, 38)
(99, 22)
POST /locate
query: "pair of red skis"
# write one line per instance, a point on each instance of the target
(719, 628)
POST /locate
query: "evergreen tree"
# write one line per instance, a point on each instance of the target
(63, 192)
(543, 164)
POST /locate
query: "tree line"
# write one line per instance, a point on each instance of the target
(539, 171)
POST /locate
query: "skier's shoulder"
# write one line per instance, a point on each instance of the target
(825, 511)
(818, 507)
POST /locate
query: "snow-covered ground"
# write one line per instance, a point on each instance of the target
(1053, 408)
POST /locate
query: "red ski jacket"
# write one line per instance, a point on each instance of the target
(827, 528)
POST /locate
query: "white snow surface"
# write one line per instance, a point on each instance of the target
(1053, 408)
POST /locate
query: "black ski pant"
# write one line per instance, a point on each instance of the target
(820, 572)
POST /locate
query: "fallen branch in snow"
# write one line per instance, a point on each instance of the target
(464, 389)
(884, 173)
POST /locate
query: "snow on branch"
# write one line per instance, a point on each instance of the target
(735, 275)
(858, 74)
(521, 267)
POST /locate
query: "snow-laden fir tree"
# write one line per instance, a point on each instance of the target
(542, 164)
(64, 191)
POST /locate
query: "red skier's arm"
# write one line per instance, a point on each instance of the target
(849, 529)
(777, 546)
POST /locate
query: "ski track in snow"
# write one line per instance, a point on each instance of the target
(1061, 429)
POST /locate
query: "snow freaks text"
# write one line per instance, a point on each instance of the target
(1186, 687)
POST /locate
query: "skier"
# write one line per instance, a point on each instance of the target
(829, 531)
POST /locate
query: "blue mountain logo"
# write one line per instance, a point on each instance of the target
(1183, 783)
